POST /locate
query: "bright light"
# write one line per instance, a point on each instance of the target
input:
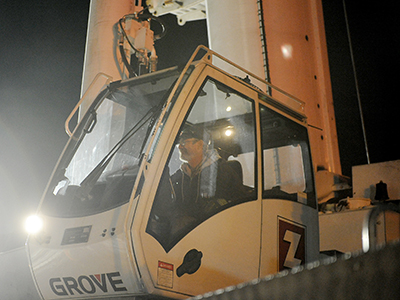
(229, 108)
(228, 132)
(287, 51)
(33, 224)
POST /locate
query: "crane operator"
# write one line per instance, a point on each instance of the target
(204, 181)
(204, 184)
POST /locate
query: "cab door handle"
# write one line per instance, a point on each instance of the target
(191, 263)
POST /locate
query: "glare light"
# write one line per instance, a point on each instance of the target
(33, 224)
(229, 108)
(228, 132)
(287, 51)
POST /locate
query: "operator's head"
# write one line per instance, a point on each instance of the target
(192, 143)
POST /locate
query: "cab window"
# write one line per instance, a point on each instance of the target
(286, 159)
(211, 166)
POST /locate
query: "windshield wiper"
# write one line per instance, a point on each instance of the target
(90, 180)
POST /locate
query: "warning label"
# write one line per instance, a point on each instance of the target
(165, 274)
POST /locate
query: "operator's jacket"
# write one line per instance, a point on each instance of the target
(189, 197)
(201, 191)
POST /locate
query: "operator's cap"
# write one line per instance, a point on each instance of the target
(199, 133)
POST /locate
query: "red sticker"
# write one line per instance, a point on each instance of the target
(164, 265)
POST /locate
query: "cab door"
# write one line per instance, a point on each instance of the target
(220, 247)
(290, 234)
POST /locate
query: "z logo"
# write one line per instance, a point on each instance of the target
(291, 244)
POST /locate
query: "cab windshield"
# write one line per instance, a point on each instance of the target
(100, 164)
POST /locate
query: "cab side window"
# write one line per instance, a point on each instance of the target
(211, 167)
(286, 159)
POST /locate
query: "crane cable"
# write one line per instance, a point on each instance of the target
(356, 83)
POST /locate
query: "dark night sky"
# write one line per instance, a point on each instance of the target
(42, 50)
(374, 31)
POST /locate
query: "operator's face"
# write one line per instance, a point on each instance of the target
(190, 149)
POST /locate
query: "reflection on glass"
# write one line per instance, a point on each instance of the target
(100, 165)
(210, 169)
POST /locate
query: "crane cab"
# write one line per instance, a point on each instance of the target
(118, 220)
